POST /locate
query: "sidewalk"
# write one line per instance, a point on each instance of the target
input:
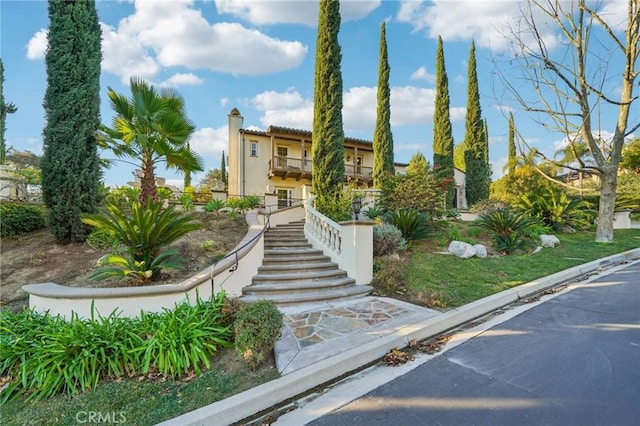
(323, 342)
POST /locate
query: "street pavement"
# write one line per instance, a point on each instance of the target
(572, 360)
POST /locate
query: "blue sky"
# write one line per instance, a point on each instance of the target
(258, 56)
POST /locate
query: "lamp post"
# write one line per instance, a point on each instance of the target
(356, 204)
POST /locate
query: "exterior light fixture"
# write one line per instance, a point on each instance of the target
(356, 204)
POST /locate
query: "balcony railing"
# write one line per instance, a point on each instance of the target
(301, 168)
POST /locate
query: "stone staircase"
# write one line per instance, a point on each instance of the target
(293, 271)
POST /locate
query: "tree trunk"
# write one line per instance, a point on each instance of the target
(148, 184)
(608, 184)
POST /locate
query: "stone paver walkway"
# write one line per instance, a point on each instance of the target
(320, 326)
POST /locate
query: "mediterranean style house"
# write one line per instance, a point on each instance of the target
(278, 161)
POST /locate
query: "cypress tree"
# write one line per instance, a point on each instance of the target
(382, 136)
(511, 162)
(223, 170)
(442, 133)
(70, 165)
(475, 155)
(328, 134)
(5, 108)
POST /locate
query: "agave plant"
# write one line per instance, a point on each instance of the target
(509, 229)
(143, 235)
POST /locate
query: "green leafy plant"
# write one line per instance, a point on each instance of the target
(387, 239)
(337, 208)
(43, 355)
(18, 218)
(143, 234)
(250, 202)
(207, 245)
(508, 229)
(257, 326)
(102, 240)
(373, 212)
(556, 209)
(214, 205)
(412, 224)
(187, 201)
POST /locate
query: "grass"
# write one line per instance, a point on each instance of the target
(141, 402)
(447, 281)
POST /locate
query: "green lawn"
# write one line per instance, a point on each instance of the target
(447, 281)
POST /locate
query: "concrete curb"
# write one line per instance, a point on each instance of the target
(267, 395)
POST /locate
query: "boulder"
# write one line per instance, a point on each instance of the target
(461, 249)
(481, 251)
(549, 240)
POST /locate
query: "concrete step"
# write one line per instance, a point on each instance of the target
(290, 252)
(285, 277)
(298, 267)
(349, 292)
(284, 238)
(299, 286)
(294, 259)
(287, 245)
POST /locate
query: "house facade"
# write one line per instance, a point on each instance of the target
(279, 161)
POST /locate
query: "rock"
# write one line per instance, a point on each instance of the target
(461, 249)
(549, 240)
(481, 251)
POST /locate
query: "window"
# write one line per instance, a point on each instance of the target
(284, 197)
(281, 160)
(254, 149)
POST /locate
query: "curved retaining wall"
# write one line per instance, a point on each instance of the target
(230, 274)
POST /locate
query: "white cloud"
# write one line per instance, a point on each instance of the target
(209, 142)
(176, 34)
(125, 56)
(37, 46)
(182, 79)
(488, 22)
(303, 12)
(409, 105)
(457, 113)
(423, 74)
(286, 109)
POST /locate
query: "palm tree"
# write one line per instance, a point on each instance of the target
(151, 126)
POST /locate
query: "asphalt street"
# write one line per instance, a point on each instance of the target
(572, 360)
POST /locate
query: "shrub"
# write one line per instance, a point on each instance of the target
(250, 202)
(336, 208)
(411, 223)
(388, 280)
(373, 212)
(186, 200)
(487, 206)
(18, 219)
(43, 355)
(556, 209)
(214, 205)
(144, 233)
(509, 229)
(257, 326)
(387, 239)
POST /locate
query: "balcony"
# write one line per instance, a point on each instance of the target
(298, 168)
(289, 167)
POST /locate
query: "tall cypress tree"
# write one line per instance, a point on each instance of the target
(70, 165)
(511, 161)
(5, 108)
(475, 155)
(328, 134)
(382, 136)
(223, 170)
(442, 133)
